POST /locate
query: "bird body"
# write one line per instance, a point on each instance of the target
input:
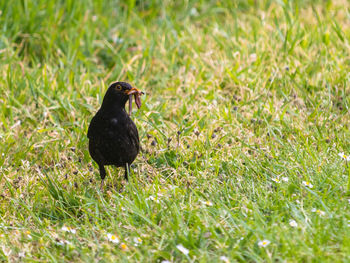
(113, 136)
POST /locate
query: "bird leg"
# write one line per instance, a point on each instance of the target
(103, 175)
(127, 171)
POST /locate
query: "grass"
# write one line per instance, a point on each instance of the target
(238, 93)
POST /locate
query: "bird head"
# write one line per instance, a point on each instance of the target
(119, 93)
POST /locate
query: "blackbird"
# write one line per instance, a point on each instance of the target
(113, 136)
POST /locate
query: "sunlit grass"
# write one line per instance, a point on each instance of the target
(244, 117)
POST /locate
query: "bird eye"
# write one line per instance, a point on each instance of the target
(118, 87)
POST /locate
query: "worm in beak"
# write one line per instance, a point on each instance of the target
(137, 95)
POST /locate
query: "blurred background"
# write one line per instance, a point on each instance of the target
(245, 112)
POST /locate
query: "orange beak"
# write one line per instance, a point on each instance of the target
(133, 91)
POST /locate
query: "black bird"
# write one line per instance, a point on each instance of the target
(113, 136)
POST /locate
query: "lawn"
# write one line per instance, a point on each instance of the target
(242, 125)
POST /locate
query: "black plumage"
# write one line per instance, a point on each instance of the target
(113, 136)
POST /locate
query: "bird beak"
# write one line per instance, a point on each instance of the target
(133, 91)
(137, 93)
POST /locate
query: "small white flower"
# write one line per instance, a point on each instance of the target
(264, 243)
(225, 259)
(293, 223)
(151, 197)
(276, 180)
(348, 223)
(63, 242)
(285, 179)
(69, 229)
(307, 184)
(117, 40)
(137, 241)
(165, 261)
(21, 254)
(28, 234)
(113, 238)
(318, 211)
(343, 156)
(208, 203)
(183, 249)
(193, 12)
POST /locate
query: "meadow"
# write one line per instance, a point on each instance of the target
(244, 130)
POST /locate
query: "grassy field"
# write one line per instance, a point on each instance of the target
(244, 117)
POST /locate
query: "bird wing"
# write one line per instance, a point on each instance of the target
(98, 126)
(133, 135)
(91, 129)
